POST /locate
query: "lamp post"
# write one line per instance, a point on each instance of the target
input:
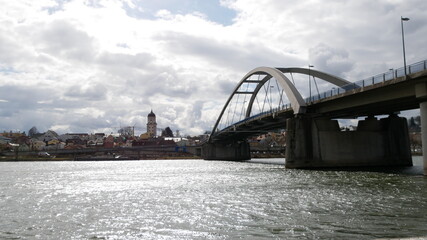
(403, 19)
(392, 73)
(309, 79)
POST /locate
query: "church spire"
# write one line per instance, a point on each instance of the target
(151, 114)
(151, 124)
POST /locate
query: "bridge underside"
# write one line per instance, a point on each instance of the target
(319, 143)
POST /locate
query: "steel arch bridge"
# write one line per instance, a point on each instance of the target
(265, 97)
(269, 99)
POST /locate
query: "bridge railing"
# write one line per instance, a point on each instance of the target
(383, 77)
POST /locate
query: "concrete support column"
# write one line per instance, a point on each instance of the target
(299, 141)
(317, 143)
(233, 151)
(423, 110)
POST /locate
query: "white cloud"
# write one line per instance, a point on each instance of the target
(330, 60)
(90, 66)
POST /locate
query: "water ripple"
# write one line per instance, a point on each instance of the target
(190, 199)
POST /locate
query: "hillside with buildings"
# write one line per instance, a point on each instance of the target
(50, 142)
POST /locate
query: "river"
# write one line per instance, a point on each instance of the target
(196, 199)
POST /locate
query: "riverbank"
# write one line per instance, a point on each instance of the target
(151, 156)
(89, 158)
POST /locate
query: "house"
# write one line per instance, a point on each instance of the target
(5, 140)
(64, 137)
(95, 142)
(82, 136)
(145, 136)
(101, 135)
(76, 142)
(23, 147)
(58, 145)
(54, 145)
(128, 143)
(109, 142)
(37, 145)
(119, 141)
(53, 142)
(97, 137)
(48, 136)
(22, 140)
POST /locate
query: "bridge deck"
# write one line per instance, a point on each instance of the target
(384, 97)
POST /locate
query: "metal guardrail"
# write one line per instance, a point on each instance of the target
(382, 77)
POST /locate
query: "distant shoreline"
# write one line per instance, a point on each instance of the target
(59, 159)
(96, 159)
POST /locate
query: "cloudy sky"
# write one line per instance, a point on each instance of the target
(93, 66)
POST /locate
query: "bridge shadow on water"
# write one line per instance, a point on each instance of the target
(416, 169)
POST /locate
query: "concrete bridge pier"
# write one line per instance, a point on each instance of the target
(423, 113)
(319, 143)
(421, 95)
(237, 151)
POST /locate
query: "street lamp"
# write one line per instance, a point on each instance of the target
(403, 19)
(392, 73)
(309, 79)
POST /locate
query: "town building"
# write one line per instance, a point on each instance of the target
(109, 142)
(47, 136)
(5, 140)
(151, 124)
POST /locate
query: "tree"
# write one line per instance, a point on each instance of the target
(126, 131)
(167, 132)
(33, 131)
(414, 124)
(418, 120)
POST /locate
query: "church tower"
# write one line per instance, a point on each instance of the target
(151, 124)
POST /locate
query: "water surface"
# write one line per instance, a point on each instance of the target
(195, 199)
